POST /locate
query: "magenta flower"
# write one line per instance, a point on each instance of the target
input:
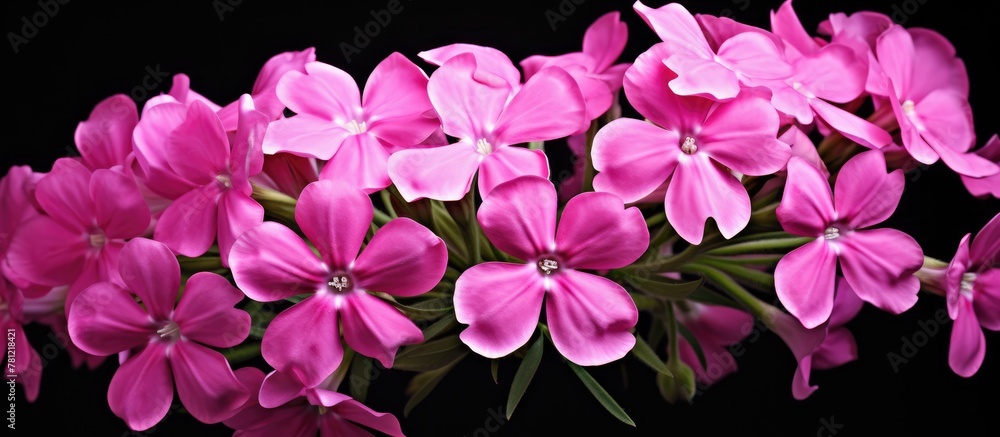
(488, 115)
(287, 173)
(803, 343)
(26, 369)
(104, 140)
(488, 59)
(593, 69)
(973, 290)
(87, 219)
(17, 189)
(877, 263)
(270, 262)
(702, 71)
(589, 316)
(690, 142)
(928, 90)
(356, 133)
(265, 88)
(296, 411)
(716, 328)
(988, 185)
(839, 347)
(169, 345)
(185, 155)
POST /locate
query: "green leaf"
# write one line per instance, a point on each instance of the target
(423, 384)
(601, 394)
(705, 295)
(644, 353)
(360, 378)
(525, 372)
(431, 355)
(695, 344)
(645, 303)
(494, 370)
(443, 325)
(656, 332)
(241, 353)
(665, 287)
(537, 145)
(423, 310)
(449, 231)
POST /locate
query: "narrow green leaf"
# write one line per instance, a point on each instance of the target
(601, 394)
(665, 287)
(362, 369)
(449, 231)
(494, 370)
(443, 325)
(423, 384)
(241, 353)
(431, 355)
(644, 353)
(656, 332)
(525, 372)
(705, 295)
(423, 310)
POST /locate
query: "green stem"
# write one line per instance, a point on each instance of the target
(731, 288)
(761, 246)
(674, 352)
(387, 203)
(755, 278)
(380, 218)
(656, 219)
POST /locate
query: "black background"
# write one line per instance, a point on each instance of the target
(88, 51)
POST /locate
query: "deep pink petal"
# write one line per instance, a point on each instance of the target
(596, 94)
(17, 188)
(966, 164)
(376, 329)
(947, 71)
(646, 86)
(304, 340)
(150, 270)
(519, 217)
(968, 344)
(247, 154)
(806, 207)
(489, 59)
(324, 92)
(548, 106)
(180, 91)
(605, 39)
(104, 139)
(910, 133)
(879, 264)
(467, 98)
(597, 232)
(865, 195)
(895, 55)
(675, 25)
(238, 213)
(952, 277)
(278, 389)
(833, 73)
(357, 412)
(142, 389)
(395, 102)
(304, 135)
(45, 252)
(120, 210)
(360, 161)
(206, 384)
(985, 248)
(754, 54)
(803, 343)
(945, 120)
(151, 152)
(501, 303)
(63, 194)
(105, 320)
(198, 147)
(205, 313)
(442, 173)
(634, 158)
(838, 348)
(785, 24)
(698, 76)
(987, 299)
(590, 318)
(804, 281)
(265, 94)
(700, 189)
(846, 304)
(271, 262)
(507, 163)
(190, 223)
(743, 135)
(403, 259)
(288, 173)
(851, 126)
(335, 217)
(252, 415)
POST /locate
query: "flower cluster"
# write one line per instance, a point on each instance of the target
(313, 227)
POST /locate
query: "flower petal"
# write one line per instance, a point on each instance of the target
(804, 281)
(403, 259)
(879, 264)
(702, 77)
(142, 389)
(105, 320)
(646, 86)
(468, 98)
(488, 58)
(395, 102)
(335, 217)
(43, 251)
(198, 147)
(519, 217)
(838, 348)
(590, 318)
(674, 24)
(63, 194)
(501, 303)
(190, 223)
(104, 139)
(357, 412)
(360, 161)
(985, 248)
(605, 39)
(376, 329)
(324, 92)
(806, 207)
(247, 144)
(304, 135)
(441, 173)
(597, 232)
(507, 163)
(278, 389)
(205, 313)
(238, 213)
(742, 135)
(120, 209)
(548, 106)
(304, 340)
(634, 158)
(851, 126)
(987, 299)
(150, 270)
(206, 384)
(700, 189)
(968, 344)
(271, 262)
(865, 194)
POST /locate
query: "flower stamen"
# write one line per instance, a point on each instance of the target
(831, 233)
(689, 147)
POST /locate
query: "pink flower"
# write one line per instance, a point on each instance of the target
(593, 69)
(838, 347)
(878, 264)
(297, 411)
(488, 59)
(487, 116)
(26, 369)
(87, 219)
(104, 140)
(170, 345)
(928, 92)
(589, 316)
(989, 185)
(185, 155)
(802, 342)
(270, 262)
(973, 292)
(264, 91)
(716, 328)
(287, 173)
(702, 71)
(17, 189)
(690, 142)
(356, 133)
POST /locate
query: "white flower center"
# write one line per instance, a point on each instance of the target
(689, 146)
(831, 233)
(225, 180)
(170, 331)
(356, 128)
(909, 108)
(340, 283)
(484, 147)
(98, 240)
(548, 266)
(965, 287)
